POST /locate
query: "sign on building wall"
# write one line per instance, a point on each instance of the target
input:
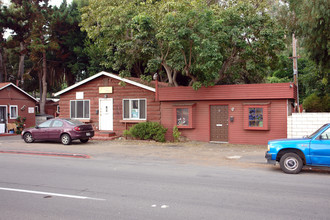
(31, 110)
(107, 89)
(79, 95)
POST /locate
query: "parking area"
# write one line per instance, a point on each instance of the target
(183, 152)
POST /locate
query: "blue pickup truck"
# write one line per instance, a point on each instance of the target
(293, 154)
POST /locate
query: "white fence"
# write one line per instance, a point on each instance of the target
(300, 124)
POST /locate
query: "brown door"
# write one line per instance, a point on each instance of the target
(219, 123)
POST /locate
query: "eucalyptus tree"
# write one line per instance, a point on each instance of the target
(67, 62)
(2, 31)
(41, 41)
(312, 25)
(18, 18)
(3, 69)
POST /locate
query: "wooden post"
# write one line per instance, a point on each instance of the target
(295, 67)
(155, 77)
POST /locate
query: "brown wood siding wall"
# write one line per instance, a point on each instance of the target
(91, 92)
(229, 92)
(236, 132)
(11, 96)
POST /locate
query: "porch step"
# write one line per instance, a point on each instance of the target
(104, 135)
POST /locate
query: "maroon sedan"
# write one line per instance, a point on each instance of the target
(58, 129)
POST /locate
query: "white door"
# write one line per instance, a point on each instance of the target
(3, 119)
(106, 114)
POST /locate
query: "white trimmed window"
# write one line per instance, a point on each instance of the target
(79, 109)
(134, 109)
(13, 109)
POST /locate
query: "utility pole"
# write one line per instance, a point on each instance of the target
(295, 67)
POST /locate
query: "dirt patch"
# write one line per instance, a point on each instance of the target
(187, 152)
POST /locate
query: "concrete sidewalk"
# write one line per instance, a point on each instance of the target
(186, 152)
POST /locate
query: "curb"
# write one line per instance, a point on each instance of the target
(84, 156)
(8, 134)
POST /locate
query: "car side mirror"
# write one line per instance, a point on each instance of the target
(37, 127)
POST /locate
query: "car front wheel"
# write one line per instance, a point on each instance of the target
(28, 138)
(66, 139)
(291, 163)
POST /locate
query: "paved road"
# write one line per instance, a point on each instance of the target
(118, 185)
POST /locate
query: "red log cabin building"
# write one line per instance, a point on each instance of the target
(15, 102)
(239, 114)
(109, 102)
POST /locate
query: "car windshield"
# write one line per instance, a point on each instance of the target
(316, 132)
(74, 122)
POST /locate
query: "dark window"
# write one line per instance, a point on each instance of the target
(79, 109)
(126, 109)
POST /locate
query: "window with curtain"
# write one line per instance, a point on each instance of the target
(13, 112)
(134, 109)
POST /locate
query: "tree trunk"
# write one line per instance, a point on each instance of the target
(43, 94)
(226, 65)
(2, 72)
(169, 72)
(21, 63)
(175, 73)
(5, 64)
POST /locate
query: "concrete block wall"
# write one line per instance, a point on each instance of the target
(301, 124)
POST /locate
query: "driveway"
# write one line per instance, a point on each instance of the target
(184, 152)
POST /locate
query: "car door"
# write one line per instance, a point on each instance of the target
(320, 149)
(41, 131)
(55, 130)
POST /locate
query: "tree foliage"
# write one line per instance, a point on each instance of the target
(310, 22)
(185, 39)
(187, 42)
(49, 40)
(312, 25)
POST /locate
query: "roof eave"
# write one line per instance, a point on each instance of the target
(106, 74)
(11, 84)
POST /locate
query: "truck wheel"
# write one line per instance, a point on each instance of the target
(291, 163)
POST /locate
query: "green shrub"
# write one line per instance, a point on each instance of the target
(176, 134)
(147, 131)
(20, 124)
(314, 103)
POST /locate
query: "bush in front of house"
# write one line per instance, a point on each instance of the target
(176, 134)
(20, 124)
(147, 131)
